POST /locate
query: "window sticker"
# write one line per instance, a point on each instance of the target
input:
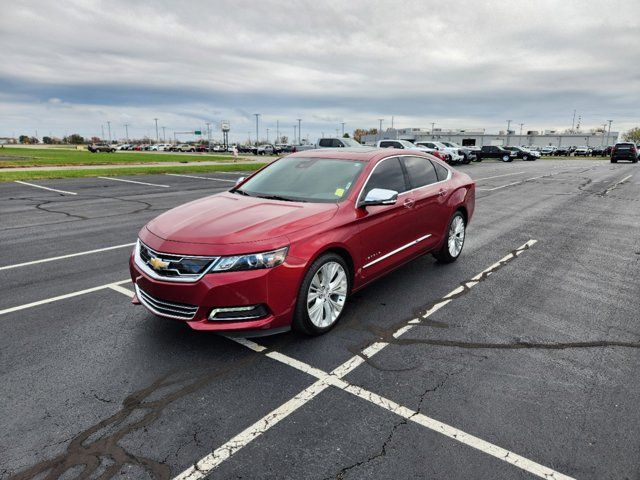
(339, 192)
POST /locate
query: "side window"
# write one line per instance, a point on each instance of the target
(387, 174)
(324, 142)
(441, 171)
(421, 171)
(337, 143)
(386, 144)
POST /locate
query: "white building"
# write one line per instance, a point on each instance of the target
(480, 137)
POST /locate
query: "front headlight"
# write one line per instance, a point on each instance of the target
(252, 261)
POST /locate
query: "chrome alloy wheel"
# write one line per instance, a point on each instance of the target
(327, 294)
(456, 236)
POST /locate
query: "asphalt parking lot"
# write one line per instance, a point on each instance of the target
(519, 360)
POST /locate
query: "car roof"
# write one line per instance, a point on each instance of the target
(361, 154)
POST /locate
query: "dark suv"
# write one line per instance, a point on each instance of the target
(494, 151)
(523, 153)
(624, 151)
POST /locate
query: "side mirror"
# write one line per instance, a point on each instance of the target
(240, 180)
(379, 196)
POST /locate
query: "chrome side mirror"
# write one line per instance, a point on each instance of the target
(240, 180)
(379, 196)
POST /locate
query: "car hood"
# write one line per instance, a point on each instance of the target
(227, 218)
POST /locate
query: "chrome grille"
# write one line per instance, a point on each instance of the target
(171, 267)
(179, 311)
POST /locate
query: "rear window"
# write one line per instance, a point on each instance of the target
(421, 171)
(325, 142)
(624, 146)
(441, 171)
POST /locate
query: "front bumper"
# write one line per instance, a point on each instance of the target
(192, 303)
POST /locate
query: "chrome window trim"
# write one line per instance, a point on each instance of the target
(449, 175)
(153, 274)
(397, 250)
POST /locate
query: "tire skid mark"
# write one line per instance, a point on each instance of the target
(89, 448)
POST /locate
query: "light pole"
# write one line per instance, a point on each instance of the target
(267, 135)
(521, 131)
(102, 136)
(157, 136)
(257, 115)
(508, 130)
(126, 131)
(573, 122)
(208, 124)
(433, 126)
(277, 131)
(342, 123)
(109, 127)
(299, 131)
(380, 128)
(295, 138)
(609, 132)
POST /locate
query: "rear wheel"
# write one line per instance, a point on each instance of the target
(453, 243)
(322, 296)
(614, 161)
(525, 157)
(506, 158)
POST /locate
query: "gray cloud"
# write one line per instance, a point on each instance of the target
(73, 65)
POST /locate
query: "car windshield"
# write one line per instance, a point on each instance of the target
(406, 144)
(299, 179)
(349, 142)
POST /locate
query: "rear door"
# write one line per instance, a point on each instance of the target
(385, 231)
(429, 214)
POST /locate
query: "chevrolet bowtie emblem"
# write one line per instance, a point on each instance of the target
(158, 264)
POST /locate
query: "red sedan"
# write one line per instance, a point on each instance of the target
(288, 245)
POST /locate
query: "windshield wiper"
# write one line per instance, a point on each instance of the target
(241, 192)
(278, 197)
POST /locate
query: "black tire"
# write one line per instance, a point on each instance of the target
(466, 159)
(525, 158)
(444, 255)
(614, 161)
(506, 158)
(301, 321)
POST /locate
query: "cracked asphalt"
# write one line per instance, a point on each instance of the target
(540, 357)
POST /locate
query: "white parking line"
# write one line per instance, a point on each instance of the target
(202, 178)
(120, 289)
(62, 257)
(615, 185)
(203, 467)
(61, 297)
(46, 188)
(498, 176)
(134, 181)
(411, 415)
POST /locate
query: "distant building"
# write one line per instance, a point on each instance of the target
(8, 141)
(479, 137)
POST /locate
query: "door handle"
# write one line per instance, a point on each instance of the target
(442, 193)
(409, 202)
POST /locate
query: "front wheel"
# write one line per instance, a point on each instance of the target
(506, 158)
(452, 246)
(322, 296)
(525, 158)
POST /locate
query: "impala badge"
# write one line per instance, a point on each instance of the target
(158, 264)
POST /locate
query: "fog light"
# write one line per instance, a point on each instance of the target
(238, 313)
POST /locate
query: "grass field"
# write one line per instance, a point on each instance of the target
(10, 176)
(33, 157)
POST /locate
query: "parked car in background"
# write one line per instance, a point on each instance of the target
(548, 150)
(624, 151)
(582, 152)
(101, 147)
(407, 145)
(523, 153)
(562, 152)
(495, 151)
(266, 149)
(123, 146)
(601, 151)
(453, 152)
(468, 155)
(337, 142)
(184, 147)
(287, 247)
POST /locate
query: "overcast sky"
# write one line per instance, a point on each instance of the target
(71, 66)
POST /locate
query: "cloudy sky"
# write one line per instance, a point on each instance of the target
(71, 66)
